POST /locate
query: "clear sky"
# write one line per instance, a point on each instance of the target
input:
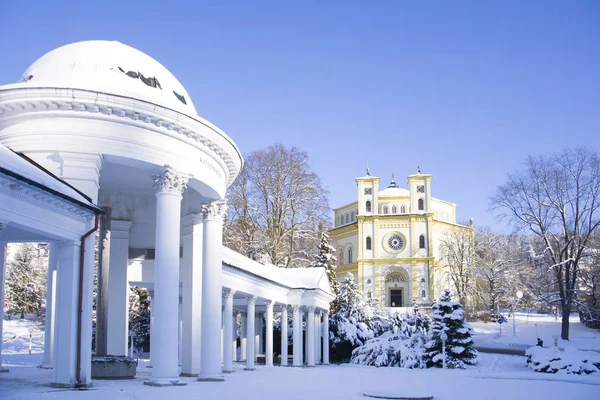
(466, 89)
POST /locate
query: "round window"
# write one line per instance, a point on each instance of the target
(395, 242)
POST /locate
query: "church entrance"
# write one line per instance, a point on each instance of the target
(395, 298)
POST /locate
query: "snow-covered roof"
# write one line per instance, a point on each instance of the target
(394, 192)
(293, 278)
(109, 67)
(20, 167)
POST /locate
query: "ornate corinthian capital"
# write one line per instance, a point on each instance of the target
(170, 181)
(215, 210)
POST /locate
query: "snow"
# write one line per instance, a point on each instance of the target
(495, 377)
(14, 163)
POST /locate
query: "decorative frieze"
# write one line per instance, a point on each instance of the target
(169, 181)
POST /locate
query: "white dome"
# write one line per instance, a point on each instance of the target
(109, 67)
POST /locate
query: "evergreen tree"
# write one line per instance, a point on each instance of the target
(139, 317)
(26, 281)
(448, 317)
(326, 259)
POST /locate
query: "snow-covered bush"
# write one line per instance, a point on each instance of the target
(355, 320)
(570, 361)
(448, 317)
(403, 346)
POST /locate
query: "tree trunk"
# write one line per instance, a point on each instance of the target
(564, 328)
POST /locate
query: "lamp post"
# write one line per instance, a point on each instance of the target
(444, 337)
(519, 296)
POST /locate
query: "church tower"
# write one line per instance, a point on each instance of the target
(368, 188)
(419, 186)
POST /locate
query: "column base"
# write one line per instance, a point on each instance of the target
(45, 366)
(211, 379)
(228, 371)
(3, 370)
(249, 369)
(70, 385)
(310, 366)
(297, 366)
(163, 383)
(188, 375)
(325, 363)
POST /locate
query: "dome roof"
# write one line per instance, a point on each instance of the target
(109, 67)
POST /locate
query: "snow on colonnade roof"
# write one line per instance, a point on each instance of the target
(25, 168)
(293, 278)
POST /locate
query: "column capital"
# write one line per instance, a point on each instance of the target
(297, 307)
(283, 307)
(170, 181)
(215, 210)
(269, 304)
(228, 293)
(311, 309)
(251, 300)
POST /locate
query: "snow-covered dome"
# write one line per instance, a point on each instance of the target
(109, 67)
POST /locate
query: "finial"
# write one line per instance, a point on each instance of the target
(418, 169)
(393, 182)
(368, 173)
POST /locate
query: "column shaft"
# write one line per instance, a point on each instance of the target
(2, 275)
(310, 336)
(250, 319)
(228, 331)
(164, 329)
(269, 334)
(191, 280)
(50, 307)
(243, 336)
(326, 338)
(297, 338)
(284, 336)
(210, 343)
(234, 336)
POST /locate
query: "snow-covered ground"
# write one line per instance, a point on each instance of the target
(495, 376)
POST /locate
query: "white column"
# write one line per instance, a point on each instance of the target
(317, 337)
(326, 337)
(179, 332)
(165, 369)
(50, 307)
(2, 274)
(234, 335)
(64, 370)
(269, 334)
(118, 289)
(297, 344)
(257, 336)
(243, 336)
(151, 301)
(191, 280)
(228, 331)
(250, 319)
(284, 335)
(210, 330)
(310, 336)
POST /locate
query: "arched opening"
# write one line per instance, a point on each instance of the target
(368, 206)
(385, 209)
(422, 241)
(368, 243)
(350, 255)
(397, 289)
(421, 205)
(402, 210)
(394, 210)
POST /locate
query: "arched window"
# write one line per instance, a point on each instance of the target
(352, 217)
(340, 256)
(402, 210)
(368, 206)
(423, 294)
(368, 243)
(385, 209)
(422, 241)
(394, 210)
(347, 218)
(341, 220)
(421, 205)
(350, 255)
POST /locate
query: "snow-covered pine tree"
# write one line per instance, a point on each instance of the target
(448, 316)
(26, 281)
(325, 258)
(139, 317)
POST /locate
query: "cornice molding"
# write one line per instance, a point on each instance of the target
(23, 102)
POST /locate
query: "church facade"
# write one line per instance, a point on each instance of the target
(390, 239)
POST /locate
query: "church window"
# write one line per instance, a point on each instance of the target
(394, 210)
(341, 220)
(402, 210)
(368, 206)
(341, 256)
(423, 294)
(352, 216)
(385, 209)
(421, 205)
(368, 243)
(422, 280)
(350, 255)
(422, 242)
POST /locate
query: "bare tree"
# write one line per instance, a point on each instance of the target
(457, 249)
(277, 207)
(557, 198)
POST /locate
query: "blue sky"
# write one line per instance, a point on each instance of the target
(466, 89)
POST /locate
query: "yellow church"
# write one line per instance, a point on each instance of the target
(390, 240)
